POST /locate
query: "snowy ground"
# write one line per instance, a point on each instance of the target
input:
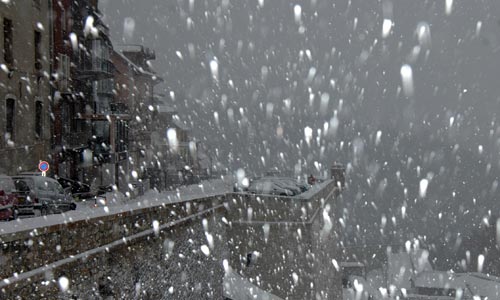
(404, 267)
(117, 203)
(237, 287)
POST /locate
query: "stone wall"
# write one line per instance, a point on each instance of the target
(121, 256)
(292, 242)
(286, 245)
(26, 85)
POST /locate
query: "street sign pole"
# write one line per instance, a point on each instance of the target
(43, 166)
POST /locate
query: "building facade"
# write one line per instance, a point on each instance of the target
(91, 129)
(25, 122)
(134, 87)
(69, 98)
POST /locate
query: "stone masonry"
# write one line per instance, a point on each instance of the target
(287, 245)
(122, 256)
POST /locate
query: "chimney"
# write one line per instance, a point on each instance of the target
(338, 174)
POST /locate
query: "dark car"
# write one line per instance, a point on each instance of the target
(49, 195)
(8, 199)
(78, 189)
(103, 189)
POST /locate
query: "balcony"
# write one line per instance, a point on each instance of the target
(109, 157)
(103, 157)
(119, 108)
(95, 69)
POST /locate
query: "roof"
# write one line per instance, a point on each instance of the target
(438, 280)
(475, 283)
(177, 123)
(166, 109)
(138, 69)
(482, 284)
(351, 264)
(126, 60)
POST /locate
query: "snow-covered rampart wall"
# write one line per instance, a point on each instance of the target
(177, 248)
(287, 245)
(154, 252)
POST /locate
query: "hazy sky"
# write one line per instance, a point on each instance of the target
(331, 70)
(284, 66)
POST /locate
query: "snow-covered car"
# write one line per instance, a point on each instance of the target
(288, 186)
(268, 187)
(48, 194)
(304, 186)
(288, 183)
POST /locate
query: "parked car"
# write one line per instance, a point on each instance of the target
(8, 199)
(79, 189)
(49, 196)
(303, 186)
(27, 203)
(103, 189)
(286, 183)
(268, 187)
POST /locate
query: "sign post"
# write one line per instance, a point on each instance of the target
(43, 166)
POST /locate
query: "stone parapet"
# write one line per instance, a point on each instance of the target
(287, 245)
(120, 255)
(179, 250)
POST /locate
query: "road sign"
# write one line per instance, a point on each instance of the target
(43, 166)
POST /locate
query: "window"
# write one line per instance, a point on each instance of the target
(72, 117)
(431, 291)
(105, 86)
(122, 136)
(42, 185)
(100, 56)
(101, 130)
(63, 70)
(97, 49)
(8, 41)
(63, 21)
(59, 189)
(9, 118)
(23, 185)
(38, 118)
(38, 50)
(55, 188)
(7, 185)
(65, 116)
(249, 259)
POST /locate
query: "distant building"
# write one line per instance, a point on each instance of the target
(287, 246)
(25, 68)
(82, 136)
(176, 154)
(135, 82)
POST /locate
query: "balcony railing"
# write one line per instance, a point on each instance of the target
(78, 139)
(119, 108)
(96, 68)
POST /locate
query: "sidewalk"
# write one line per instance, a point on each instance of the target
(118, 203)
